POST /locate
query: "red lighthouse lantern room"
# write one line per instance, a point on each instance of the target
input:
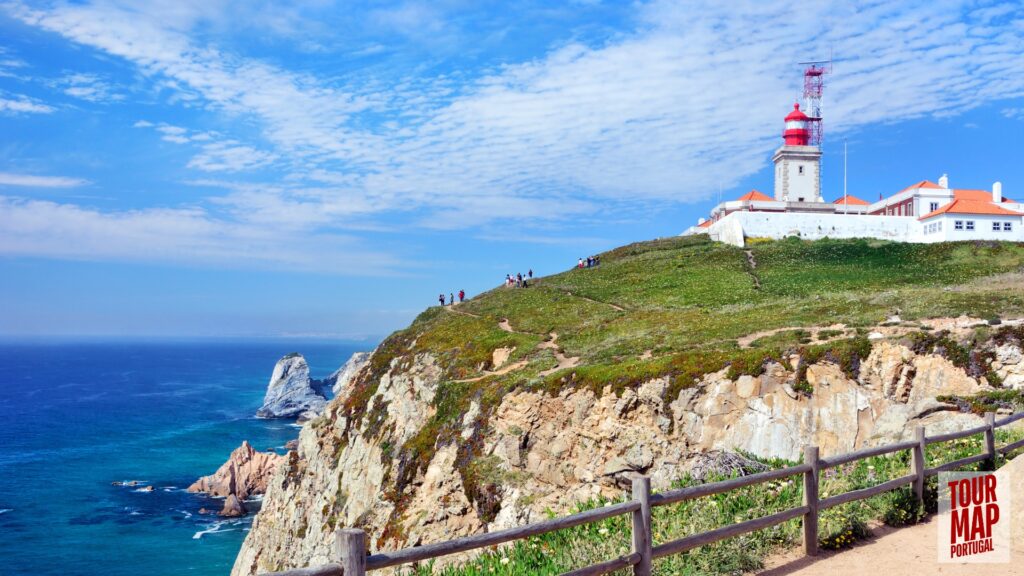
(797, 131)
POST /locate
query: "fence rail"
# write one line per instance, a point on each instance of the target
(352, 559)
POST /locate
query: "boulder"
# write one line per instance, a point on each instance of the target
(233, 507)
(291, 392)
(247, 472)
(340, 378)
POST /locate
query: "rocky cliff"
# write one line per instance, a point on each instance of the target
(539, 452)
(488, 414)
(338, 380)
(291, 392)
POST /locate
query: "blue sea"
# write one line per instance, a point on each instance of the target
(76, 417)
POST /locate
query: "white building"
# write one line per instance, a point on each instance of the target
(923, 212)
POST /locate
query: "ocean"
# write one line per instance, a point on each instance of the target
(76, 417)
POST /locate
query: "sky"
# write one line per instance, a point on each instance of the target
(209, 168)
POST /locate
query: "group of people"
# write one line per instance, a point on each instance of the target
(519, 280)
(451, 298)
(590, 262)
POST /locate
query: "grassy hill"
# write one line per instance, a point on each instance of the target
(681, 308)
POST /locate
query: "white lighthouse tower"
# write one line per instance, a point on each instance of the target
(797, 163)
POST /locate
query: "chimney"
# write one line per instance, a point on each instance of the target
(944, 181)
(997, 192)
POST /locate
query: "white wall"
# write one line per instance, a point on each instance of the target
(982, 228)
(735, 227)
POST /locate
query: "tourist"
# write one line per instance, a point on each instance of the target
(462, 296)
(441, 299)
(451, 298)
(580, 265)
(529, 273)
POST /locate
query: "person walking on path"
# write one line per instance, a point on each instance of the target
(451, 298)
(580, 264)
(462, 296)
(529, 273)
(441, 299)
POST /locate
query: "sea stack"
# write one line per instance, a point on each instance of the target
(340, 378)
(292, 393)
(246, 473)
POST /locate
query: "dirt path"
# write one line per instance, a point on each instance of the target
(563, 361)
(452, 308)
(753, 267)
(591, 300)
(910, 551)
(746, 341)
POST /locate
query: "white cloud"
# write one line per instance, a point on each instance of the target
(181, 235)
(17, 104)
(1013, 113)
(87, 87)
(142, 124)
(228, 156)
(32, 181)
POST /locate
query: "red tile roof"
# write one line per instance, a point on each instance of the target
(921, 184)
(977, 195)
(755, 195)
(961, 206)
(705, 224)
(851, 200)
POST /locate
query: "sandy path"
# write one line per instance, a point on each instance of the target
(908, 551)
(615, 307)
(563, 361)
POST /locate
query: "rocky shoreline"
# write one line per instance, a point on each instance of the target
(291, 393)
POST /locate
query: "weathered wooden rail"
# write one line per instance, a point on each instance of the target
(350, 544)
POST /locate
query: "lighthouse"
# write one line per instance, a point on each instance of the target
(797, 163)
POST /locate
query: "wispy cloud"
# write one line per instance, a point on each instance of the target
(87, 87)
(32, 181)
(183, 235)
(18, 104)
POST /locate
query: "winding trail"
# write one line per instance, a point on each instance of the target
(615, 307)
(563, 361)
(753, 266)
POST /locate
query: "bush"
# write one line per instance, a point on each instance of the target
(842, 528)
(902, 509)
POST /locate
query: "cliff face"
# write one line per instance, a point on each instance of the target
(535, 452)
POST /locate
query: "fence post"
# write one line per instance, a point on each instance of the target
(811, 501)
(350, 550)
(918, 464)
(990, 439)
(642, 525)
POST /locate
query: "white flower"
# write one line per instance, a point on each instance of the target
(505, 560)
(602, 531)
(871, 467)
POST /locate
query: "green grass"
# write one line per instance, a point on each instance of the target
(839, 527)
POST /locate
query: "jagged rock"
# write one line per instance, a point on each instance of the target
(247, 472)
(291, 392)
(340, 378)
(1011, 366)
(233, 507)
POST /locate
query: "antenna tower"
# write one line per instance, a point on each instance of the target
(814, 84)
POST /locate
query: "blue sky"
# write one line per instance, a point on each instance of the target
(215, 168)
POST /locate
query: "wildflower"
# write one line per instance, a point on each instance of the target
(505, 560)
(603, 531)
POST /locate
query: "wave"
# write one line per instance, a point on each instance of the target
(6, 510)
(219, 528)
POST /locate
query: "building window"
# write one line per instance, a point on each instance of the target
(910, 208)
(958, 225)
(996, 227)
(939, 225)
(1007, 226)
(801, 169)
(970, 224)
(933, 206)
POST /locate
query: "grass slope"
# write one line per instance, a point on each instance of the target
(677, 307)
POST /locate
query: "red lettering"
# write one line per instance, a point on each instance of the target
(991, 517)
(977, 523)
(990, 488)
(959, 525)
(952, 494)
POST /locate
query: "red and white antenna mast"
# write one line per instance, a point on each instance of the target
(814, 84)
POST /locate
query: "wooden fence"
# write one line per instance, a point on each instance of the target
(350, 544)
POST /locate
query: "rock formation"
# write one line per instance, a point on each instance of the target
(545, 452)
(292, 393)
(341, 377)
(246, 473)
